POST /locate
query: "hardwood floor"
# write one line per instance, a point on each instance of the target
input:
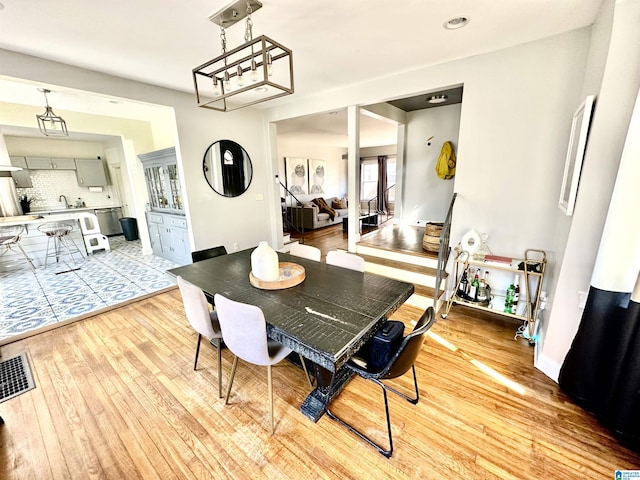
(116, 397)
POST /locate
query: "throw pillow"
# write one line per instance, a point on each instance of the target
(339, 203)
(324, 208)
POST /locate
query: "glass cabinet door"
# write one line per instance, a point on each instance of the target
(156, 185)
(163, 181)
(174, 183)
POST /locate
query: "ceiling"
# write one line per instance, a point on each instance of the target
(335, 42)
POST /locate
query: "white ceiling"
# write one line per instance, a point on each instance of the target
(335, 42)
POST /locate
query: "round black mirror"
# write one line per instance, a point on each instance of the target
(227, 168)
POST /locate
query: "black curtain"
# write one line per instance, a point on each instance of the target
(232, 170)
(601, 372)
(383, 195)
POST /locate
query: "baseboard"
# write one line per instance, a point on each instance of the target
(549, 367)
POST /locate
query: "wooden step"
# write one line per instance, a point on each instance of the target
(399, 265)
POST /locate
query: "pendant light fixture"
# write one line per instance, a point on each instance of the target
(51, 124)
(261, 69)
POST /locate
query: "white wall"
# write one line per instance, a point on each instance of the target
(426, 196)
(620, 76)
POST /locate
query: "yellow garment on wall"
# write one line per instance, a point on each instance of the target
(446, 164)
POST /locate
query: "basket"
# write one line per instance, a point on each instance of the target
(431, 239)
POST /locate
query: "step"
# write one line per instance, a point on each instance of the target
(416, 274)
(399, 256)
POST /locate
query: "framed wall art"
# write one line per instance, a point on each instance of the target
(316, 176)
(295, 170)
(575, 155)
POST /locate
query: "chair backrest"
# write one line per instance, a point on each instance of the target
(208, 253)
(244, 330)
(306, 251)
(9, 235)
(348, 260)
(196, 308)
(410, 347)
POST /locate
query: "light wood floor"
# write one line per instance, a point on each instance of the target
(117, 398)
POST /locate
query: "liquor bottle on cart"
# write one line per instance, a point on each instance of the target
(508, 301)
(516, 294)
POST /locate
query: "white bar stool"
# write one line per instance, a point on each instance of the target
(10, 236)
(59, 233)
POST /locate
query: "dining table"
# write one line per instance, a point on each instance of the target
(326, 318)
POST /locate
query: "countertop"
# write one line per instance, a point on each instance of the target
(70, 210)
(36, 219)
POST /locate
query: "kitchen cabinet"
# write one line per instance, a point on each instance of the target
(169, 237)
(530, 271)
(50, 163)
(163, 181)
(90, 172)
(21, 178)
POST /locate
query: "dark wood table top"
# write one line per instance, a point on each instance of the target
(326, 318)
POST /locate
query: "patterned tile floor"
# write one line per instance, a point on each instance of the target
(30, 300)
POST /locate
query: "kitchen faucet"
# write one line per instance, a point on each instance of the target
(66, 203)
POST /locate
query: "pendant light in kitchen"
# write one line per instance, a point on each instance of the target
(51, 124)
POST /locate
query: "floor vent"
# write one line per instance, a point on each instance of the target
(15, 377)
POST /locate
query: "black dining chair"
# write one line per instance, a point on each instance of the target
(208, 253)
(399, 364)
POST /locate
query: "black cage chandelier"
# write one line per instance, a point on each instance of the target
(261, 69)
(51, 124)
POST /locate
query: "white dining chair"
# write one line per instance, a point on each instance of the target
(203, 321)
(344, 259)
(245, 333)
(305, 251)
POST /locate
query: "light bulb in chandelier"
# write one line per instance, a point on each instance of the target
(216, 86)
(269, 65)
(227, 82)
(240, 78)
(254, 71)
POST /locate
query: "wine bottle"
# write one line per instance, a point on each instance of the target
(473, 293)
(463, 288)
(508, 302)
(482, 289)
(516, 294)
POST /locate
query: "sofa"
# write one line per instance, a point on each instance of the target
(309, 216)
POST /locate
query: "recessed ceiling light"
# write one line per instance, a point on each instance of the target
(116, 102)
(456, 22)
(437, 99)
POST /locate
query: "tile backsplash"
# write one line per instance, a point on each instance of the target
(48, 185)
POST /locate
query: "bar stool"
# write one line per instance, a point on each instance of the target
(59, 233)
(10, 236)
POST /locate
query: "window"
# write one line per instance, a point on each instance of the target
(369, 178)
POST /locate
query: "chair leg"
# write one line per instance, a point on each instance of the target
(233, 374)
(304, 367)
(380, 448)
(26, 256)
(270, 385)
(195, 364)
(219, 347)
(413, 400)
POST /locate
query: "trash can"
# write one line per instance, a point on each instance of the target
(129, 228)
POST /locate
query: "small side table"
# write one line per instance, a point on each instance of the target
(366, 221)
